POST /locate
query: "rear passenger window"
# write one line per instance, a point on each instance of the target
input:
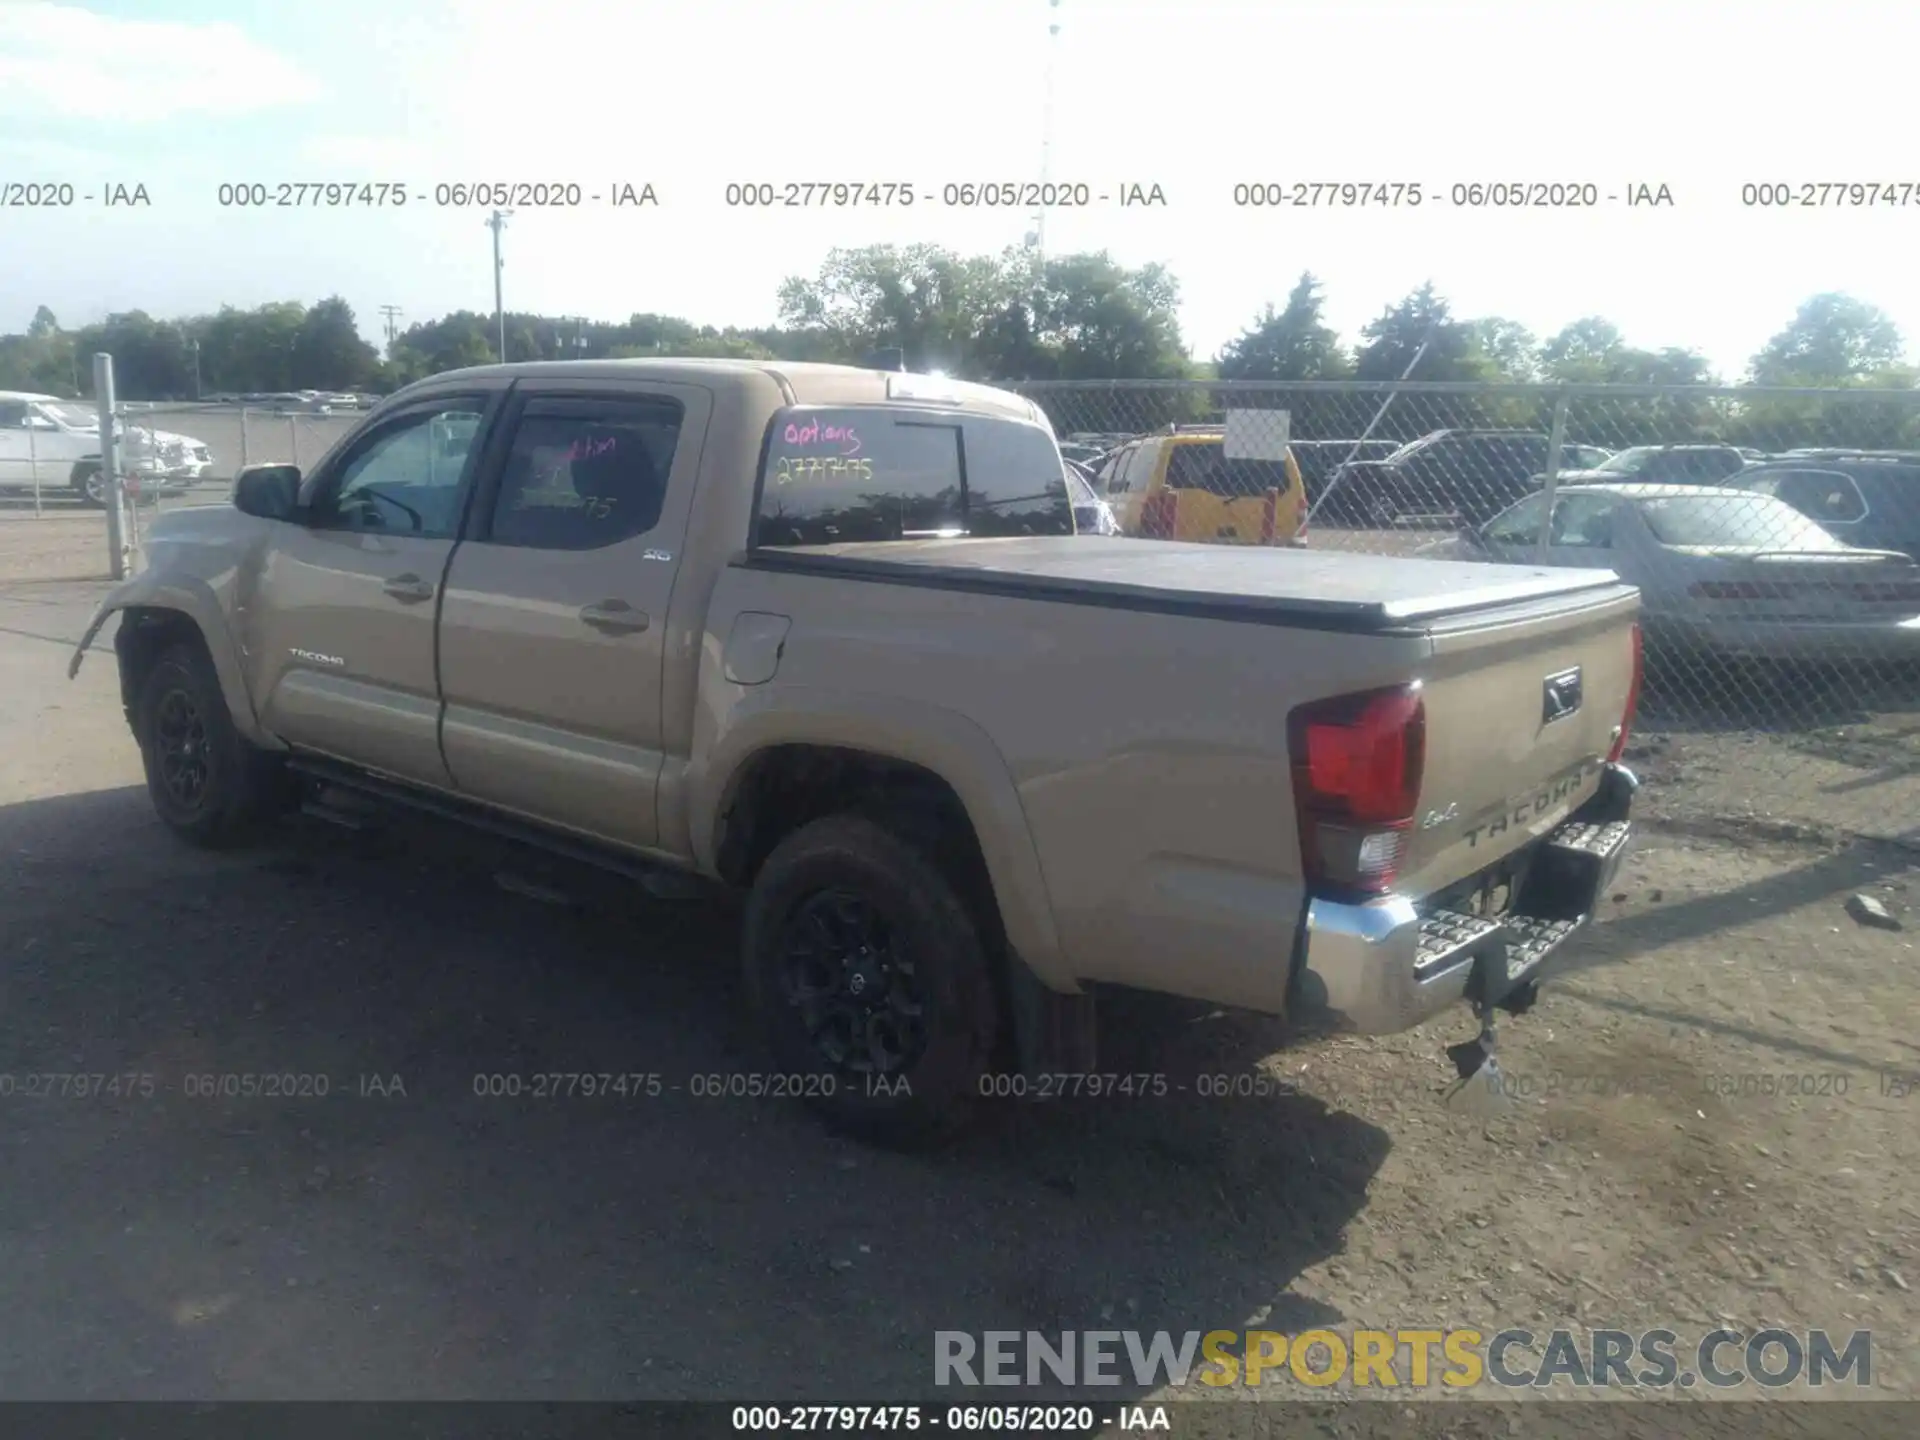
(585, 473)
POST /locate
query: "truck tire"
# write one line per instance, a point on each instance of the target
(208, 785)
(87, 485)
(871, 982)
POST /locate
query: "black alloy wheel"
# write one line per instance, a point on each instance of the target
(181, 745)
(853, 985)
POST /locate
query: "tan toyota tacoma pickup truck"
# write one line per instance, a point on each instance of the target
(811, 632)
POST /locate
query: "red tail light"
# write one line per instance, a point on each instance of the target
(1357, 765)
(1633, 698)
(1157, 515)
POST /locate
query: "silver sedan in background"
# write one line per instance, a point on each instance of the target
(1727, 571)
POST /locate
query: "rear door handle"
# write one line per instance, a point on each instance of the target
(615, 615)
(408, 588)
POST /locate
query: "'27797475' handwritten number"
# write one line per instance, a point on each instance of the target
(793, 468)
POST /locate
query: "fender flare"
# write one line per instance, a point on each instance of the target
(192, 597)
(938, 740)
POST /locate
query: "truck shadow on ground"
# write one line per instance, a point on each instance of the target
(325, 1166)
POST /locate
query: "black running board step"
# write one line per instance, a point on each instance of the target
(658, 880)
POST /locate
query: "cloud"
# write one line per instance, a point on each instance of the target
(65, 62)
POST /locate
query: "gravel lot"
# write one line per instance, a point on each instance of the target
(435, 1244)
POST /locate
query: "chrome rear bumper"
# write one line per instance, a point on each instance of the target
(1389, 964)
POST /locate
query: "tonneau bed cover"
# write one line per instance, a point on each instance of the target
(1334, 588)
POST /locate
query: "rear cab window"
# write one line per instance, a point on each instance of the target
(840, 474)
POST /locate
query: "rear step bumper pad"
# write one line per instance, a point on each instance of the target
(1387, 965)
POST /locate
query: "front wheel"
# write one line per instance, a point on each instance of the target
(870, 981)
(208, 785)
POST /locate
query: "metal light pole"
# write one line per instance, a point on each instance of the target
(110, 466)
(497, 223)
(193, 349)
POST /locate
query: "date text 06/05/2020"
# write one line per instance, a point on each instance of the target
(459, 194)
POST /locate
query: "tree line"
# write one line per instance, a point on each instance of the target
(1008, 317)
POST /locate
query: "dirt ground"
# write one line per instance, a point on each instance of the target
(1708, 1122)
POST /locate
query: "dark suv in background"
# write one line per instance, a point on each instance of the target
(1663, 465)
(1318, 459)
(1462, 477)
(1869, 498)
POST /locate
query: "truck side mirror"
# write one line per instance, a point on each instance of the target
(267, 492)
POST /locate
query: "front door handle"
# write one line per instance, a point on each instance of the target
(616, 615)
(408, 588)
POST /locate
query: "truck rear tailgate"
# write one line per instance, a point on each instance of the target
(1522, 707)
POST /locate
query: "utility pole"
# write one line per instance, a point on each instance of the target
(110, 492)
(1046, 128)
(497, 223)
(193, 349)
(392, 314)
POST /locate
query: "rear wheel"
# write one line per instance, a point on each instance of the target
(208, 785)
(90, 485)
(871, 981)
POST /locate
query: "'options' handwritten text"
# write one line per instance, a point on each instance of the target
(843, 438)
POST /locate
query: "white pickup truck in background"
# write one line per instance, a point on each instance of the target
(51, 444)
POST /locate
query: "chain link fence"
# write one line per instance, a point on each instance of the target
(168, 455)
(234, 435)
(1773, 534)
(166, 450)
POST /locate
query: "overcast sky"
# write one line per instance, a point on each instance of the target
(1193, 95)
